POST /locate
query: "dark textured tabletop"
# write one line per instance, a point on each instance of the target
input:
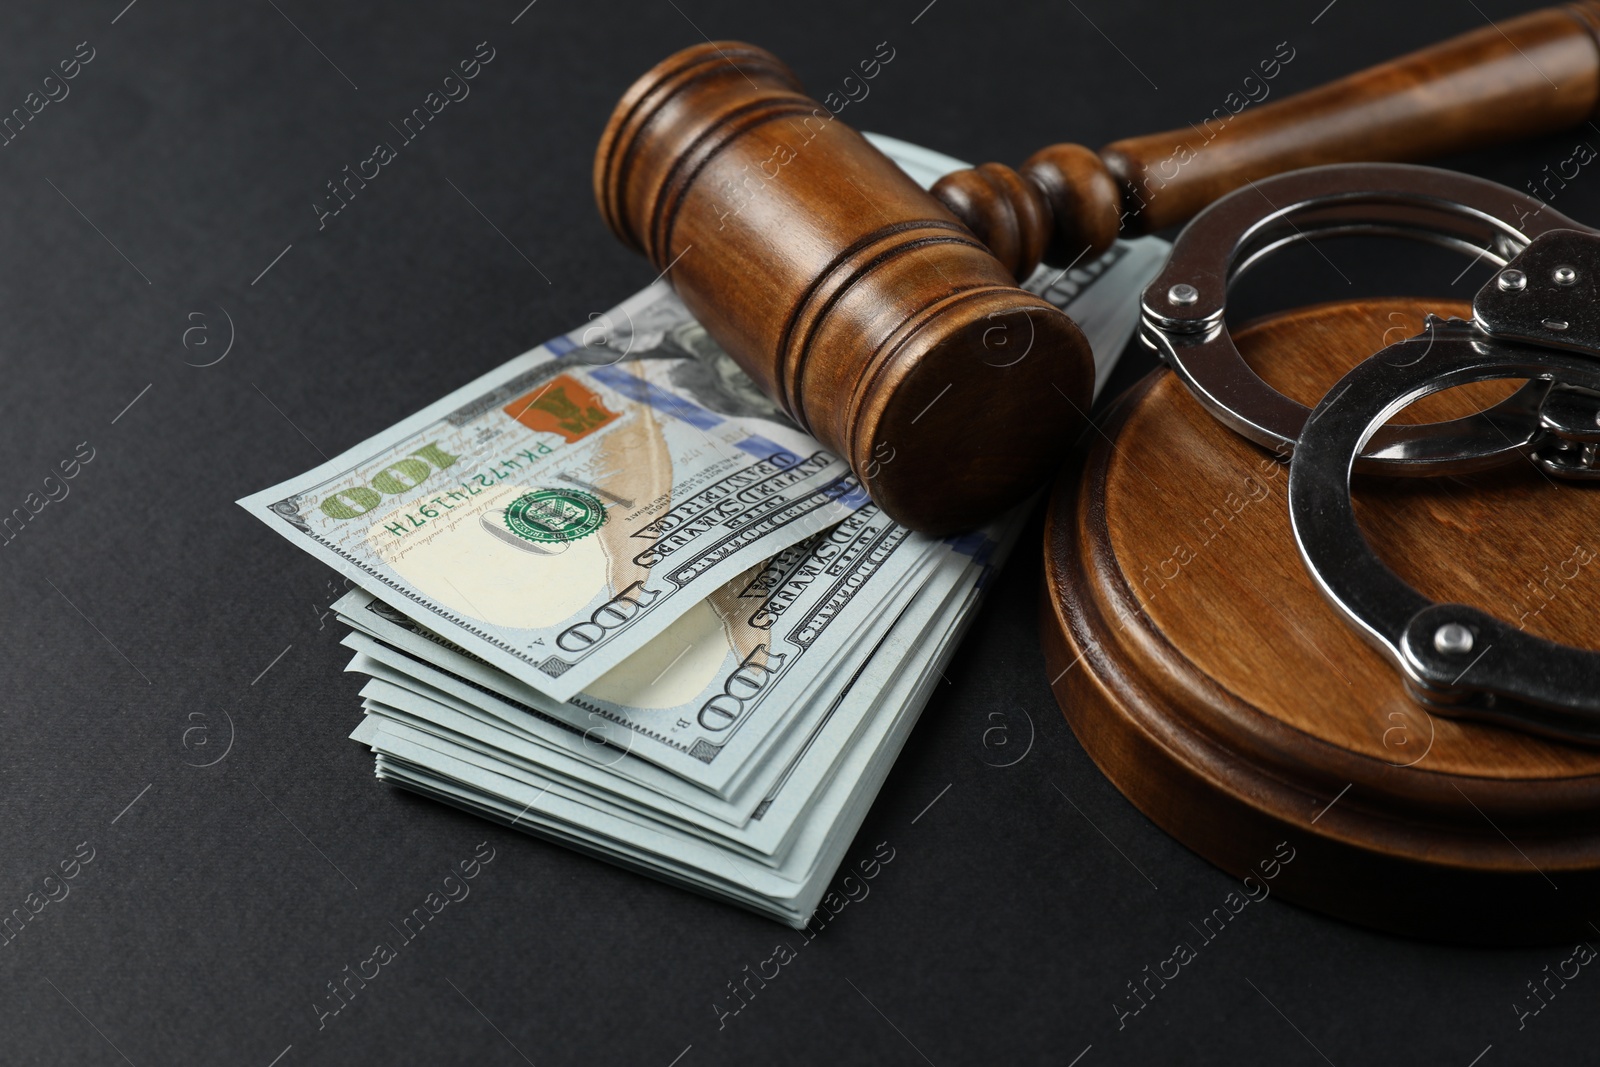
(181, 324)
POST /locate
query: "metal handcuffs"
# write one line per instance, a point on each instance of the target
(1537, 319)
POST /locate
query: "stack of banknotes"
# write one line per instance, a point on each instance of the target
(610, 595)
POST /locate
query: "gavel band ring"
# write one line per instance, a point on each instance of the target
(1184, 307)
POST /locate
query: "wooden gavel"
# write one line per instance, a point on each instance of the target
(887, 321)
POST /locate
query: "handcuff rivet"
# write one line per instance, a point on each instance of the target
(1513, 280)
(1453, 639)
(1565, 276)
(1183, 294)
(1554, 324)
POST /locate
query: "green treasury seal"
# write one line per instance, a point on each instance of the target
(547, 515)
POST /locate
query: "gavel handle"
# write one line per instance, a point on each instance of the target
(1531, 75)
(1527, 76)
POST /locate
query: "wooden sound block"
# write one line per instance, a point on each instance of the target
(1218, 690)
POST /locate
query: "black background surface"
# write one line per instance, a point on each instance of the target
(146, 603)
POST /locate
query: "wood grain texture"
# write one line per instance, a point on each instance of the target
(1524, 77)
(888, 323)
(846, 291)
(1212, 683)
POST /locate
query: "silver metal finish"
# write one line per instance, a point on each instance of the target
(1453, 639)
(1570, 419)
(1538, 319)
(1562, 314)
(1239, 231)
(1500, 673)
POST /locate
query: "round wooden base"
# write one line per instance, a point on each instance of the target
(1214, 686)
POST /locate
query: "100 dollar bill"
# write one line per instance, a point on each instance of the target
(714, 693)
(559, 512)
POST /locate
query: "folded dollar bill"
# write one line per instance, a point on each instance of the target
(608, 594)
(431, 687)
(817, 814)
(710, 696)
(559, 512)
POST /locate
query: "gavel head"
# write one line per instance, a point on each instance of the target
(848, 293)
